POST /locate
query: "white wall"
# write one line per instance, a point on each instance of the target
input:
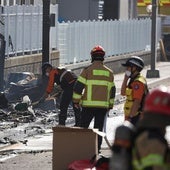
(38, 2)
(124, 12)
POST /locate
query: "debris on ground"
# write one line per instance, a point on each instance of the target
(23, 116)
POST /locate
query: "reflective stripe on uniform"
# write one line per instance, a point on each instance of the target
(101, 73)
(76, 96)
(89, 101)
(62, 75)
(150, 160)
(95, 103)
(95, 84)
(82, 80)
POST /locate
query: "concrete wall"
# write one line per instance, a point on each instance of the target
(30, 63)
(114, 62)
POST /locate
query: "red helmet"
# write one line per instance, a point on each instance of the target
(98, 53)
(156, 109)
(158, 101)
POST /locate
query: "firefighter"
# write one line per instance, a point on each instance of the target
(66, 79)
(94, 91)
(151, 151)
(135, 88)
(121, 158)
(144, 146)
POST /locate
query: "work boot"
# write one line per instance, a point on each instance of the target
(77, 115)
(61, 120)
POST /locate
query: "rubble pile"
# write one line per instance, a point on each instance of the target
(21, 120)
(16, 116)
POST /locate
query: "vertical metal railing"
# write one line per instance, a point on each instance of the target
(23, 29)
(76, 39)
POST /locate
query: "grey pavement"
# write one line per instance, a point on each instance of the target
(45, 142)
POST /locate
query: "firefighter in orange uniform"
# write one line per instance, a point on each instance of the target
(66, 79)
(135, 88)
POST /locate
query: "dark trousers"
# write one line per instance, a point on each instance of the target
(98, 114)
(66, 99)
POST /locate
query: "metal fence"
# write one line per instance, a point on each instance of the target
(76, 39)
(23, 29)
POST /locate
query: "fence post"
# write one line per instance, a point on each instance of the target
(2, 50)
(46, 31)
(153, 73)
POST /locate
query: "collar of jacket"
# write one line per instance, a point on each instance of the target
(97, 62)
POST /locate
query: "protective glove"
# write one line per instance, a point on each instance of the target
(77, 105)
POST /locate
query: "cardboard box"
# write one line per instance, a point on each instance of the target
(72, 143)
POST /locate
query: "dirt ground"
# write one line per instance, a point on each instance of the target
(28, 161)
